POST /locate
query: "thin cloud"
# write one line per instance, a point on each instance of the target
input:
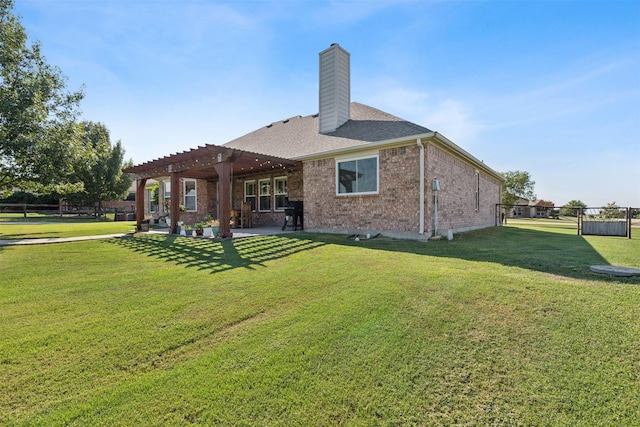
(448, 116)
(454, 120)
(581, 92)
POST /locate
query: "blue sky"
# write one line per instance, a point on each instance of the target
(548, 87)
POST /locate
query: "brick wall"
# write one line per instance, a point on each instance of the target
(396, 207)
(272, 217)
(456, 198)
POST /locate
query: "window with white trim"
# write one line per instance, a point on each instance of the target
(190, 196)
(357, 176)
(250, 193)
(280, 193)
(264, 197)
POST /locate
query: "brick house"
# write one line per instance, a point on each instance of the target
(532, 209)
(355, 168)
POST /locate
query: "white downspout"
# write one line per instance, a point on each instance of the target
(421, 225)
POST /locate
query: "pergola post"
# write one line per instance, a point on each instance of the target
(140, 186)
(223, 169)
(174, 210)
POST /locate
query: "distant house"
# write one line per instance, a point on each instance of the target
(355, 169)
(123, 206)
(532, 209)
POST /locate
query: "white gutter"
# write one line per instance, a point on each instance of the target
(421, 225)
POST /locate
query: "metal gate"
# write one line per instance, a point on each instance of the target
(602, 221)
(606, 221)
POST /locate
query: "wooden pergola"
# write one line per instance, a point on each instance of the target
(209, 162)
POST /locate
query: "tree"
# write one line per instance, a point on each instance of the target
(518, 185)
(612, 210)
(572, 207)
(37, 114)
(100, 168)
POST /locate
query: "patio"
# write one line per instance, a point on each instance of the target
(239, 233)
(207, 163)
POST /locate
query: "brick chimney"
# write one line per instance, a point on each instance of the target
(335, 88)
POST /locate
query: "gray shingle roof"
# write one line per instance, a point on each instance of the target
(299, 136)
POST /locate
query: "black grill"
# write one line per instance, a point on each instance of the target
(293, 213)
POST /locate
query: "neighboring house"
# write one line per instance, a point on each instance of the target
(355, 168)
(151, 208)
(126, 205)
(532, 209)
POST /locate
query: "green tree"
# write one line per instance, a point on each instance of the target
(99, 169)
(571, 208)
(612, 210)
(37, 114)
(518, 185)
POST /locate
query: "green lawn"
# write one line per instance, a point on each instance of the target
(503, 326)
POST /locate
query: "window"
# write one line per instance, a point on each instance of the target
(250, 193)
(280, 193)
(477, 185)
(357, 176)
(189, 191)
(265, 195)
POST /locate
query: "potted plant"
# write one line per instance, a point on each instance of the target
(167, 209)
(211, 227)
(199, 227)
(144, 224)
